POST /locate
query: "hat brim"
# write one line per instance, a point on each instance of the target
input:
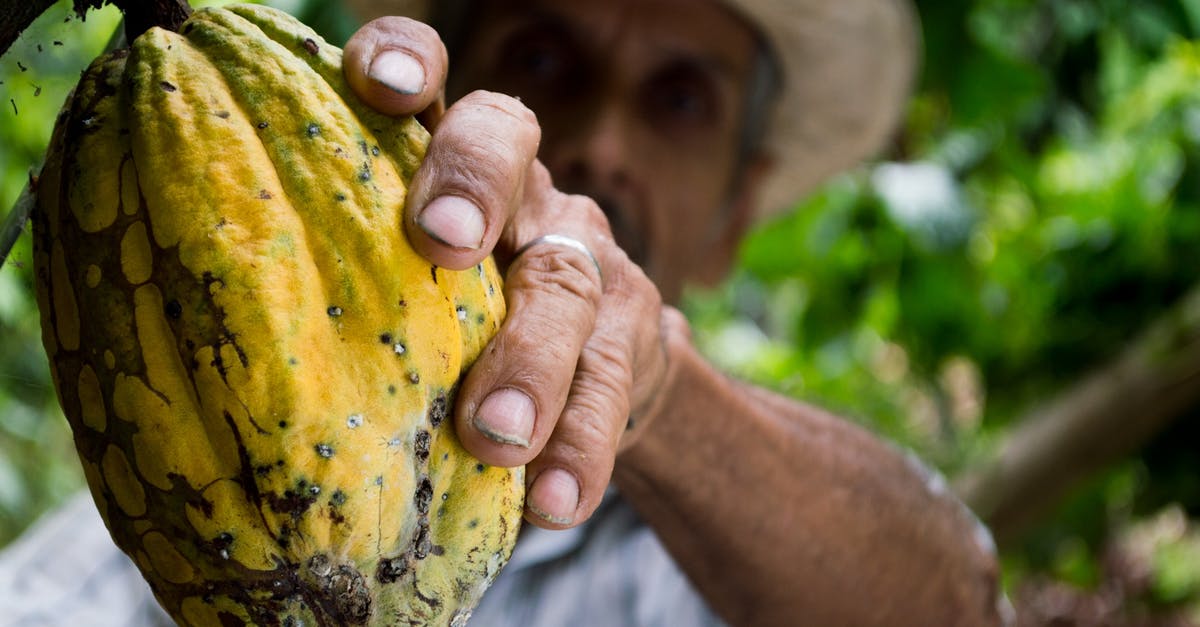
(848, 70)
(847, 66)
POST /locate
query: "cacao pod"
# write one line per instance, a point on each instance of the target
(256, 366)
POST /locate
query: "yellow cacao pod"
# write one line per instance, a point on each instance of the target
(257, 368)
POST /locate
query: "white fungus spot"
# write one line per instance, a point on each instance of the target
(399, 348)
(354, 421)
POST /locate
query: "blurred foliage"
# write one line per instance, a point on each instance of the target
(1040, 207)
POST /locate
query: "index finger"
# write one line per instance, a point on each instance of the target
(472, 179)
(396, 65)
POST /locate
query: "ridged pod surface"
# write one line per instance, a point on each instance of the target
(257, 367)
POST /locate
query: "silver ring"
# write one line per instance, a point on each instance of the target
(562, 240)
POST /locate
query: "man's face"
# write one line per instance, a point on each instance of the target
(641, 106)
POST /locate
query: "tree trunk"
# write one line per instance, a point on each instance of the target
(1095, 422)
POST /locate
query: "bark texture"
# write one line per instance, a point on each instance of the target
(1105, 416)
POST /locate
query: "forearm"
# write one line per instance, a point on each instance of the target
(783, 514)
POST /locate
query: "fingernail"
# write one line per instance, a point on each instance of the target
(506, 416)
(454, 221)
(554, 496)
(398, 71)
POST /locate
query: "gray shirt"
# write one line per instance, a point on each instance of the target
(610, 571)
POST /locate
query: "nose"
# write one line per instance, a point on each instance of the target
(591, 153)
(594, 153)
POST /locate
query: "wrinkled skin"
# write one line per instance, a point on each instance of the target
(659, 128)
(778, 512)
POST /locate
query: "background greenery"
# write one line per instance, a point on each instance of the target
(1040, 208)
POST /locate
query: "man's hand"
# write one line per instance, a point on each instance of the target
(582, 348)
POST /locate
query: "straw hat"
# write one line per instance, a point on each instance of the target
(847, 67)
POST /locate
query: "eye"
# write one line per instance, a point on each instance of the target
(536, 57)
(682, 96)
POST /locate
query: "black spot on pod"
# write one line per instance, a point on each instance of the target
(338, 589)
(311, 46)
(324, 450)
(173, 309)
(437, 410)
(294, 502)
(479, 467)
(423, 496)
(167, 86)
(385, 338)
(391, 569)
(262, 125)
(312, 129)
(421, 445)
(220, 544)
(334, 311)
(421, 543)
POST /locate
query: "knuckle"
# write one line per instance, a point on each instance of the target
(535, 343)
(557, 271)
(591, 214)
(639, 285)
(514, 116)
(590, 440)
(606, 377)
(629, 286)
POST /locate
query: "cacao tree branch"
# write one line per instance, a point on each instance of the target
(140, 15)
(16, 16)
(1106, 416)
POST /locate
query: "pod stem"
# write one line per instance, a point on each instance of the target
(142, 15)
